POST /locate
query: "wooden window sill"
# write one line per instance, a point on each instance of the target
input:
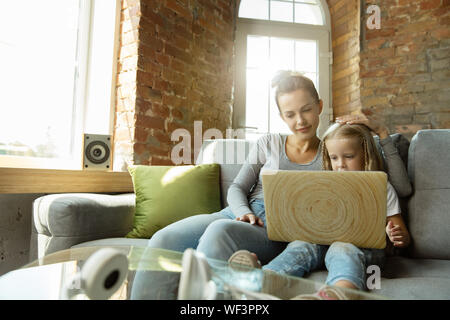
(19, 180)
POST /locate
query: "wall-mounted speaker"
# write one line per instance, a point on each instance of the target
(96, 152)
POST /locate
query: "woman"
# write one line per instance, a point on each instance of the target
(219, 235)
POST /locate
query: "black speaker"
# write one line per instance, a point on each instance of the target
(96, 152)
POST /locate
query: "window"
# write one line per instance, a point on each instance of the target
(274, 35)
(57, 61)
(299, 11)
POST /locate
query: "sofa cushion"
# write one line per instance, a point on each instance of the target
(429, 159)
(230, 154)
(429, 224)
(64, 214)
(429, 207)
(62, 220)
(407, 288)
(165, 194)
(401, 267)
(415, 288)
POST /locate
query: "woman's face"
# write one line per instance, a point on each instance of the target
(300, 112)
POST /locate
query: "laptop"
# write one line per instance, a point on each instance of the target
(323, 207)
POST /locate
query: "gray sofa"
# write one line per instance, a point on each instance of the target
(62, 221)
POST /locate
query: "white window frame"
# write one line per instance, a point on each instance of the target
(82, 84)
(269, 28)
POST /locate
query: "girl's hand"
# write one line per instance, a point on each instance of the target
(397, 235)
(251, 218)
(373, 122)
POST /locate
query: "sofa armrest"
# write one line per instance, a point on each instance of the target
(63, 220)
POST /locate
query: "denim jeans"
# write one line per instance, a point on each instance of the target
(344, 261)
(217, 235)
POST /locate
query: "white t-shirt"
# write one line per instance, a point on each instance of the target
(393, 205)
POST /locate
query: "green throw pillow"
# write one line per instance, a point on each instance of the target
(165, 194)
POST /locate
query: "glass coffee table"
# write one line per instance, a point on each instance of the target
(152, 274)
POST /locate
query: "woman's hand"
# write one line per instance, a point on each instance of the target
(373, 122)
(397, 235)
(251, 218)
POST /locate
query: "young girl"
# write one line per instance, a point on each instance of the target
(346, 148)
(352, 148)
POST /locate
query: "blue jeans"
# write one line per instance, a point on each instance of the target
(344, 261)
(217, 235)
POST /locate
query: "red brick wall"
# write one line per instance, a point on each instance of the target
(175, 67)
(405, 65)
(124, 120)
(401, 71)
(345, 29)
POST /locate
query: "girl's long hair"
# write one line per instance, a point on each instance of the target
(372, 158)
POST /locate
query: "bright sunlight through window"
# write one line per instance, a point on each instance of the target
(56, 79)
(290, 42)
(265, 56)
(298, 11)
(38, 46)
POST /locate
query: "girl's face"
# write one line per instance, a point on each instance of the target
(346, 154)
(300, 112)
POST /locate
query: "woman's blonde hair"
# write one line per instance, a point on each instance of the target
(372, 158)
(286, 81)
